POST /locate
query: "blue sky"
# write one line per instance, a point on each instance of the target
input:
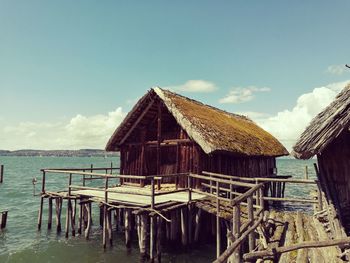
(63, 59)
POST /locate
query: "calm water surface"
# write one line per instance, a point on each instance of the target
(21, 242)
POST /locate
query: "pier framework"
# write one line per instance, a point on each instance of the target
(233, 211)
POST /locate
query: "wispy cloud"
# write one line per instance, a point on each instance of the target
(198, 85)
(241, 95)
(78, 132)
(336, 69)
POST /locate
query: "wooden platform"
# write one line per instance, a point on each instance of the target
(131, 195)
(284, 229)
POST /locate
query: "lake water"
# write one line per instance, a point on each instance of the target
(21, 242)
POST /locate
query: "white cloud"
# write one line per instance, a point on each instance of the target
(336, 69)
(287, 125)
(200, 86)
(241, 95)
(79, 132)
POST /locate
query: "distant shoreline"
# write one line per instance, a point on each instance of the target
(60, 153)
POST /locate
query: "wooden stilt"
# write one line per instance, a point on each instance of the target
(72, 216)
(143, 236)
(40, 216)
(88, 227)
(189, 223)
(184, 233)
(1, 173)
(104, 226)
(173, 226)
(251, 236)
(109, 227)
(49, 220)
(67, 217)
(197, 225)
(80, 224)
(152, 239)
(3, 219)
(159, 239)
(128, 229)
(101, 215)
(58, 202)
(236, 256)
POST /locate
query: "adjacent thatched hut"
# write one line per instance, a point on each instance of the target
(166, 133)
(328, 137)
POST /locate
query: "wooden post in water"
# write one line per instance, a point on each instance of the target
(80, 223)
(88, 227)
(58, 202)
(3, 219)
(159, 238)
(127, 221)
(40, 216)
(68, 213)
(49, 220)
(1, 173)
(184, 233)
(143, 235)
(197, 225)
(105, 214)
(73, 212)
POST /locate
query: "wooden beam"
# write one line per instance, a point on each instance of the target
(311, 244)
(137, 122)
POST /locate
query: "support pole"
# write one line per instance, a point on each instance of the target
(80, 224)
(1, 173)
(40, 216)
(58, 202)
(3, 219)
(251, 237)
(128, 229)
(197, 227)
(183, 227)
(218, 230)
(159, 238)
(88, 227)
(236, 257)
(68, 213)
(49, 220)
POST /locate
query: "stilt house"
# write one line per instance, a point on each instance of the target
(328, 137)
(166, 133)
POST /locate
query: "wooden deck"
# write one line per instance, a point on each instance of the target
(283, 229)
(134, 195)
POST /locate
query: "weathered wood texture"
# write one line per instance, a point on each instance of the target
(334, 172)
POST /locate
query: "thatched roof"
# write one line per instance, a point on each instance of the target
(211, 128)
(325, 127)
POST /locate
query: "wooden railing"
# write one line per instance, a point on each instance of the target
(282, 180)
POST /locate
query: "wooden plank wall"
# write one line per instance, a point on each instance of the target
(334, 166)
